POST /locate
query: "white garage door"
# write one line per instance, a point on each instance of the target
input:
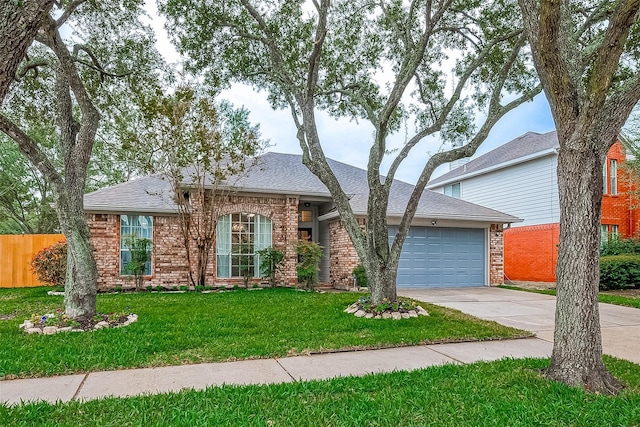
(435, 257)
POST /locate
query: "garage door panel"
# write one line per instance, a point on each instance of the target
(441, 257)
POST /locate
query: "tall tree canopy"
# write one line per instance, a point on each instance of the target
(64, 87)
(586, 54)
(439, 64)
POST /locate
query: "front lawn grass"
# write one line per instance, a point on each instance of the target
(628, 301)
(176, 329)
(503, 393)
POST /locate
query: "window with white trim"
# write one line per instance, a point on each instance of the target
(452, 190)
(613, 176)
(239, 236)
(140, 226)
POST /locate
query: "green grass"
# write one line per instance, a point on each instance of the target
(175, 329)
(606, 298)
(504, 393)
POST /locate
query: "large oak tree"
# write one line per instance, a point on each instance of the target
(586, 54)
(76, 80)
(430, 65)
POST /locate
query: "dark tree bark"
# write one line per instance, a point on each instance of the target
(19, 23)
(589, 110)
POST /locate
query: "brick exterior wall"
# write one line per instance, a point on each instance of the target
(621, 208)
(343, 256)
(169, 265)
(496, 255)
(531, 253)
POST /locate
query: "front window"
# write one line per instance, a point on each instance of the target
(136, 227)
(452, 190)
(239, 237)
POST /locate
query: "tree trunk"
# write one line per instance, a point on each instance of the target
(80, 286)
(577, 349)
(20, 22)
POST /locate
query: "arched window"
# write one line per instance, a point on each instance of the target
(239, 237)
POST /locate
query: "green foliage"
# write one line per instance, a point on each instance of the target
(140, 254)
(26, 199)
(620, 246)
(50, 264)
(619, 271)
(361, 276)
(271, 262)
(309, 254)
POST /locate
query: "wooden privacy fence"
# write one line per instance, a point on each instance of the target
(16, 253)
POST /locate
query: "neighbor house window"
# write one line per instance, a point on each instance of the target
(239, 237)
(605, 180)
(613, 176)
(452, 190)
(140, 226)
(608, 233)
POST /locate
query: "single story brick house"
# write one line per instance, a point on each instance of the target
(451, 242)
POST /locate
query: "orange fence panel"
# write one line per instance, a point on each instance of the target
(16, 253)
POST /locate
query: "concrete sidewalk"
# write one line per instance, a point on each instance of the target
(523, 310)
(132, 382)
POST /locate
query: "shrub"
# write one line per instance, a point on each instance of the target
(271, 261)
(361, 276)
(50, 264)
(139, 248)
(619, 246)
(619, 271)
(309, 254)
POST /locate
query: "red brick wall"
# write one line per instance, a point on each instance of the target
(169, 261)
(343, 256)
(619, 209)
(530, 253)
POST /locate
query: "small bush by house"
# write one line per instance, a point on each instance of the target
(619, 272)
(619, 246)
(50, 264)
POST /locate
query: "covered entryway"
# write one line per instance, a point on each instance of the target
(437, 257)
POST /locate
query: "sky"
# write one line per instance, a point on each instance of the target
(347, 141)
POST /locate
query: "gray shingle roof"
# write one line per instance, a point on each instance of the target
(285, 174)
(523, 146)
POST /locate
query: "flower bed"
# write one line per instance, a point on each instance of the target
(401, 309)
(49, 324)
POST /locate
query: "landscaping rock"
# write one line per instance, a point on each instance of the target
(360, 313)
(55, 293)
(421, 311)
(65, 329)
(368, 315)
(33, 330)
(386, 315)
(77, 330)
(405, 315)
(352, 308)
(50, 330)
(378, 316)
(412, 313)
(26, 325)
(396, 316)
(101, 325)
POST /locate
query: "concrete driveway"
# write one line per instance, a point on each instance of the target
(536, 312)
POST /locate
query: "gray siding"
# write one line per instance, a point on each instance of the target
(527, 190)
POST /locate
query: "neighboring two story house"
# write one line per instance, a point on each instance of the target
(451, 242)
(520, 178)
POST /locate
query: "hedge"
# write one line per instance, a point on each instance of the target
(619, 272)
